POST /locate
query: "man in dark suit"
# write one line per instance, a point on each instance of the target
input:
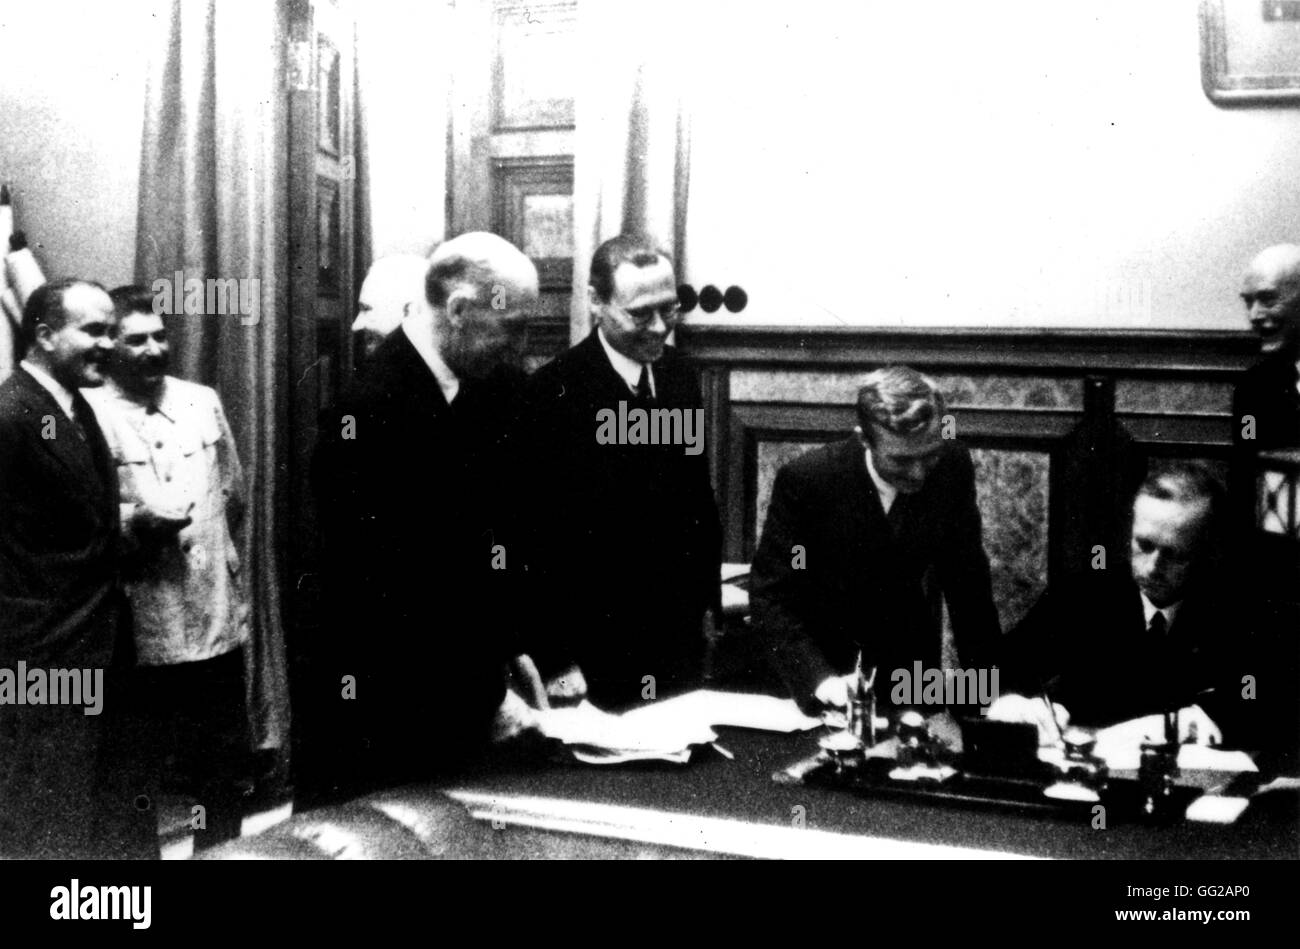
(627, 547)
(418, 486)
(1266, 416)
(1266, 403)
(61, 603)
(862, 540)
(1166, 633)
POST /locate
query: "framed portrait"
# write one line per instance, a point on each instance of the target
(534, 211)
(328, 91)
(1250, 51)
(329, 246)
(533, 72)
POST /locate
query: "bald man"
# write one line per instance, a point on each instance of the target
(1267, 399)
(392, 290)
(416, 486)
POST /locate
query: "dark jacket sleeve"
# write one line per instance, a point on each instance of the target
(964, 572)
(780, 588)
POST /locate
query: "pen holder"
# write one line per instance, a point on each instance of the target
(1157, 769)
(843, 749)
(915, 745)
(1081, 764)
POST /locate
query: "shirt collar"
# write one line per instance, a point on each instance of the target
(629, 370)
(886, 490)
(164, 405)
(1149, 610)
(418, 327)
(51, 385)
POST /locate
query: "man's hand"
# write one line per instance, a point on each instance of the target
(1194, 728)
(1197, 728)
(1026, 711)
(567, 688)
(834, 690)
(513, 718)
(157, 525)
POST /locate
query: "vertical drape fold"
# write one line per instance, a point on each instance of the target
(213, 207)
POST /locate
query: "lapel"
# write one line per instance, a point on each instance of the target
(607, 386)
(68, 446)
(865, 512)
(408, 379)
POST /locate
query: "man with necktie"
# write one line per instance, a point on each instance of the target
(61, 602)
(626, 542)
(864, 541)
(1167, 632)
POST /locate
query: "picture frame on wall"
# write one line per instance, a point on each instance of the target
(533, 72)
(534, 211)
(1250, 51)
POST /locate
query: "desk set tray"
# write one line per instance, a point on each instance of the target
(1122, 797)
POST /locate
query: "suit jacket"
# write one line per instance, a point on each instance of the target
(857, 586)
(627, 542)
(1086, 643)
(1267, 391)
(60, 597)
(416, 500)
(61, 606)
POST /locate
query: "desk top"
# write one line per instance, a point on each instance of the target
(733, 807)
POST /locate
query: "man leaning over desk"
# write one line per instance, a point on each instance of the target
(863, 538)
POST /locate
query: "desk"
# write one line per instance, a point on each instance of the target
(733, 808)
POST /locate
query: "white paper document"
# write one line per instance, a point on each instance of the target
(666, 730)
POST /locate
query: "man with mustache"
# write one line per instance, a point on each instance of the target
(61, 603)
(392, 290)
(628, 543)
(864, 540)
(1167, 632)
(419, 489)
(183, 499)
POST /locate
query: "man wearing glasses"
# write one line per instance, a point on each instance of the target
(626, 542)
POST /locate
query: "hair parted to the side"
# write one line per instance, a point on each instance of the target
(623, 249)
(45, 305)
(1188, 483)
(900, 400)
(132, 298)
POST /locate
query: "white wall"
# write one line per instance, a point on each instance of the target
(71, 120)
(403, 54)
(1011, 162)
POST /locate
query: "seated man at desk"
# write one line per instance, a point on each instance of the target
(863, 538)
(1122, 643)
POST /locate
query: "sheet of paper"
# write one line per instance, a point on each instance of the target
(1212, 809)
(1120, 746)
(595, 729)
(746, 710)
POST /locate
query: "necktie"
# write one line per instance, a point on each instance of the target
(1158, 627)
(84, 416)
(643, 390)
(897, 516)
